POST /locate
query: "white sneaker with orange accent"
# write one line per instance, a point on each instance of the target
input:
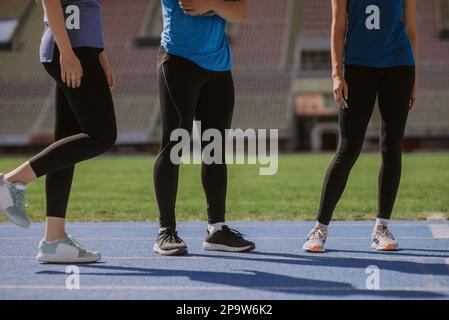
(383, 239)
(315, 240)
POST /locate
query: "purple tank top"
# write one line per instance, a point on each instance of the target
(84, 26)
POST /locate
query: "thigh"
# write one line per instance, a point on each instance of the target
(66, 123)
(179, 88)
(91, 103)
(394, 99)
(363, 88)
(216, 102)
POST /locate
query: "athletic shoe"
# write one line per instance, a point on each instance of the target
(383, 240)
(65, 250)
(227, 239)
(168, 243)
(12, 202)
(315, 240)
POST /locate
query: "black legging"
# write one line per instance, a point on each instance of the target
(85, 127)
(189, 92)
(393, 87)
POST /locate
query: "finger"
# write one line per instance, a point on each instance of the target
(78, 80)
(63, 76)
(114, 81)
(68, 80)
(73, 80)
(337, 94)
(346, 92)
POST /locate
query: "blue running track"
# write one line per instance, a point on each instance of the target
(278, 269)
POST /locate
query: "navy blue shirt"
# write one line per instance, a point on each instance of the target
(202, 39)
(84, 27)
(376, 35)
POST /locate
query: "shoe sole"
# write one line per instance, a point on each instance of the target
(223, 248)
(14, 220)
(315, 249)
(51, 258)
(173, 252)
(390, 247)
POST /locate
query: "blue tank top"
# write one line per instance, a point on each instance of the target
(202, 40)
(84, 27)
(376, 35)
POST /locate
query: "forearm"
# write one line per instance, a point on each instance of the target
(56, 21)
(232, 10)
(337, 51)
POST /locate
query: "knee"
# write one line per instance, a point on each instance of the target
(348, 153)
(105, 139)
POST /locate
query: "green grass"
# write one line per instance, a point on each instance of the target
(120, 188)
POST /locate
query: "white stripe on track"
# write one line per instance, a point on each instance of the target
(254, 256)
(218, 288)
(439, 231)
(200, 238)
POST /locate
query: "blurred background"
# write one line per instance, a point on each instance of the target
(282, 73)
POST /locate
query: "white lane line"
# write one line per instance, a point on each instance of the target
(218, 288)
(201, 238)
(439, 231)
(258, 224)
(254, 256)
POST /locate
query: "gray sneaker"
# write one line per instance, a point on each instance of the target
(383, 239)
(315, 241)
(65, 250)
(12, 202)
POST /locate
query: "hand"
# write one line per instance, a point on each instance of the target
(109, 73)
(414, 95)
(71, 70)
(197, 7)
(341, 92)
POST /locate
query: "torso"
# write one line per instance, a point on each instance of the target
(376, 35)
(202, 40)
(84, 27)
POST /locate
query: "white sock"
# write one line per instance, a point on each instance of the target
(321, 226)
(381, 222)
(212, 228)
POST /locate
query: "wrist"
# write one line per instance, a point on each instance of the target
(67, 52)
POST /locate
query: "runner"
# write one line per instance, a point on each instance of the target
(72, 54)
(379, 62)
(195, 83)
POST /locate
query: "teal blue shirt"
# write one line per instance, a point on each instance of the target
(202, 39)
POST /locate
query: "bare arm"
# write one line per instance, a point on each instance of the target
(230, 10)
(71, 70)
(410, 23)
(339, 25)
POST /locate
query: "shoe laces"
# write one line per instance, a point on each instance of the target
(382, 231)
(18, 196)
(317, 234)
(170, 235)
(233, 232)
(72, 242)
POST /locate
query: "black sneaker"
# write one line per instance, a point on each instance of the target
(227, 239)
(169, 244)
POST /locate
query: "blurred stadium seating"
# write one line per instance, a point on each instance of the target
(281, 53)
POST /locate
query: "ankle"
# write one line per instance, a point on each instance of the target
(321, 226)
(55, 229)
(214, 227)
(381, 222)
